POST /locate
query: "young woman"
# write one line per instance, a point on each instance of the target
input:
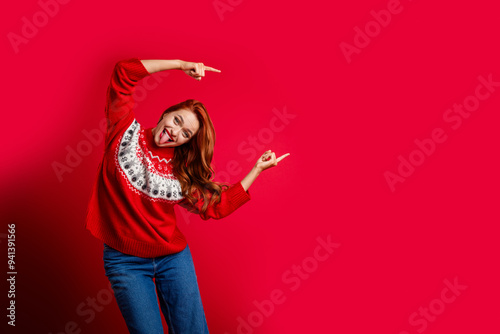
(144, 173)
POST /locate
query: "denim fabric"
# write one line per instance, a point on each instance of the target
(137, 295)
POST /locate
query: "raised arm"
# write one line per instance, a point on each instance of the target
(119, 98)
(237, 194)
(194, 70)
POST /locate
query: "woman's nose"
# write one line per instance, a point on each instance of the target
(175, 131)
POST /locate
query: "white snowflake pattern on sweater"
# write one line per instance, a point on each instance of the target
(147, 174)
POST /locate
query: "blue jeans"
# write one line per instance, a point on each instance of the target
(175, 285)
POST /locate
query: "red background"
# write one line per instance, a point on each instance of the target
(352, 122)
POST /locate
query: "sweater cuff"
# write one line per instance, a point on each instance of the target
(237, 194)
(135, 68)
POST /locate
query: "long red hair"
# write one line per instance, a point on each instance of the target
(192, 161)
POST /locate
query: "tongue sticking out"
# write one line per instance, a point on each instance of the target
(164, 138)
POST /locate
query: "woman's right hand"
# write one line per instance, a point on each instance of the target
(196, 70)
(268, 159)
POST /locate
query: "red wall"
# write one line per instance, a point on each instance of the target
(385, 167)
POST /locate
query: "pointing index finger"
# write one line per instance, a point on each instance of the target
(282, 157)
(208, 68)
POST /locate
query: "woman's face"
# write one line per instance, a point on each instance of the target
(176, 128)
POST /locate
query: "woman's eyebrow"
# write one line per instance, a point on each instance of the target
(182, 119)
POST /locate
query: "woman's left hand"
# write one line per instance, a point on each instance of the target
(268, 159)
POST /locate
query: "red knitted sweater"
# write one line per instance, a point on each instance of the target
(131, 207)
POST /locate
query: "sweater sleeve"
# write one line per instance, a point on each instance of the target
(119, 102)
(231, 199)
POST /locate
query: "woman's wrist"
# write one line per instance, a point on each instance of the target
(179, 64)
(250, 177)
(257, 170)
